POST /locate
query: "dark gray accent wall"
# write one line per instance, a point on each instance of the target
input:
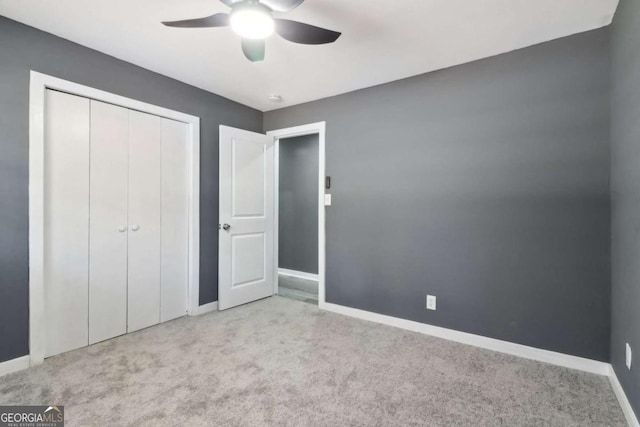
(23, 48)
(487, 185)
(298, 204)
(625, 195)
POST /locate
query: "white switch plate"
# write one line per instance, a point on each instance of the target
(431, 302)
(628, 356)
(327, 199)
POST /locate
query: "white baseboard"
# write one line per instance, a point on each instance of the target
(206, 308)
(298, 274)
(14, 365)
(631, 417)
(546, 356)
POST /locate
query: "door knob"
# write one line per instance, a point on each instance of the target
(122, 229)
(226, 227)
(135, 227)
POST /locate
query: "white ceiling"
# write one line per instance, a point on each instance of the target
(382, 41)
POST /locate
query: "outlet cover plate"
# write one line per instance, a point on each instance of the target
(431, 302)
(628, 356)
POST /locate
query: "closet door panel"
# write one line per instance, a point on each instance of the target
(175, 225)
(108, 222)
(144, 220)
(66, 222)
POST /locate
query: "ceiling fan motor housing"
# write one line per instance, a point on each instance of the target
(253, 20)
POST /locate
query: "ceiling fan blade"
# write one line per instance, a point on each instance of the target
(253, 49)
(217, 20)
(298, 32)
(279, 5)
(231, 3)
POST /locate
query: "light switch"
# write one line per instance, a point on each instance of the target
(327, 199)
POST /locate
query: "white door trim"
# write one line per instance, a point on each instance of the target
(310, 129)
(39, 83)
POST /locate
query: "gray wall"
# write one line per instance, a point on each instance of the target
(625, 194)
(485, 184)
(23, 48)
(298, 204)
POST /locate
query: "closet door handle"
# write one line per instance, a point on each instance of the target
(122, 229)
(135, 227)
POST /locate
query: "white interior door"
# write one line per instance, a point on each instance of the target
(66, 222)
(246, 217)
(143, 294)
(175, 219)
(108, 222)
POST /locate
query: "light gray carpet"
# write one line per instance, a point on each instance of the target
(284, 362)
(299, 289)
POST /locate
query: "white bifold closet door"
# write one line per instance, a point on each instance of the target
(175, 219)
(116, 221)
(66, 222)
(158, 220)
(108, 222)
(144, 220)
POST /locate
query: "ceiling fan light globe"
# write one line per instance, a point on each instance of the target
(252, 22)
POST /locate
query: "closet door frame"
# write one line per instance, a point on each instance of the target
(39, 83)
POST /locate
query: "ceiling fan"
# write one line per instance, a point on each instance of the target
(253, 20)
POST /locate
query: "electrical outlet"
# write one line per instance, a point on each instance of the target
(628, 356)
(431, 302)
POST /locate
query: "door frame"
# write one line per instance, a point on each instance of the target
(319, 129)
(39, 83)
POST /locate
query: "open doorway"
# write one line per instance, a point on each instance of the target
(248, 214)
(298, 217)
(299, 213)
